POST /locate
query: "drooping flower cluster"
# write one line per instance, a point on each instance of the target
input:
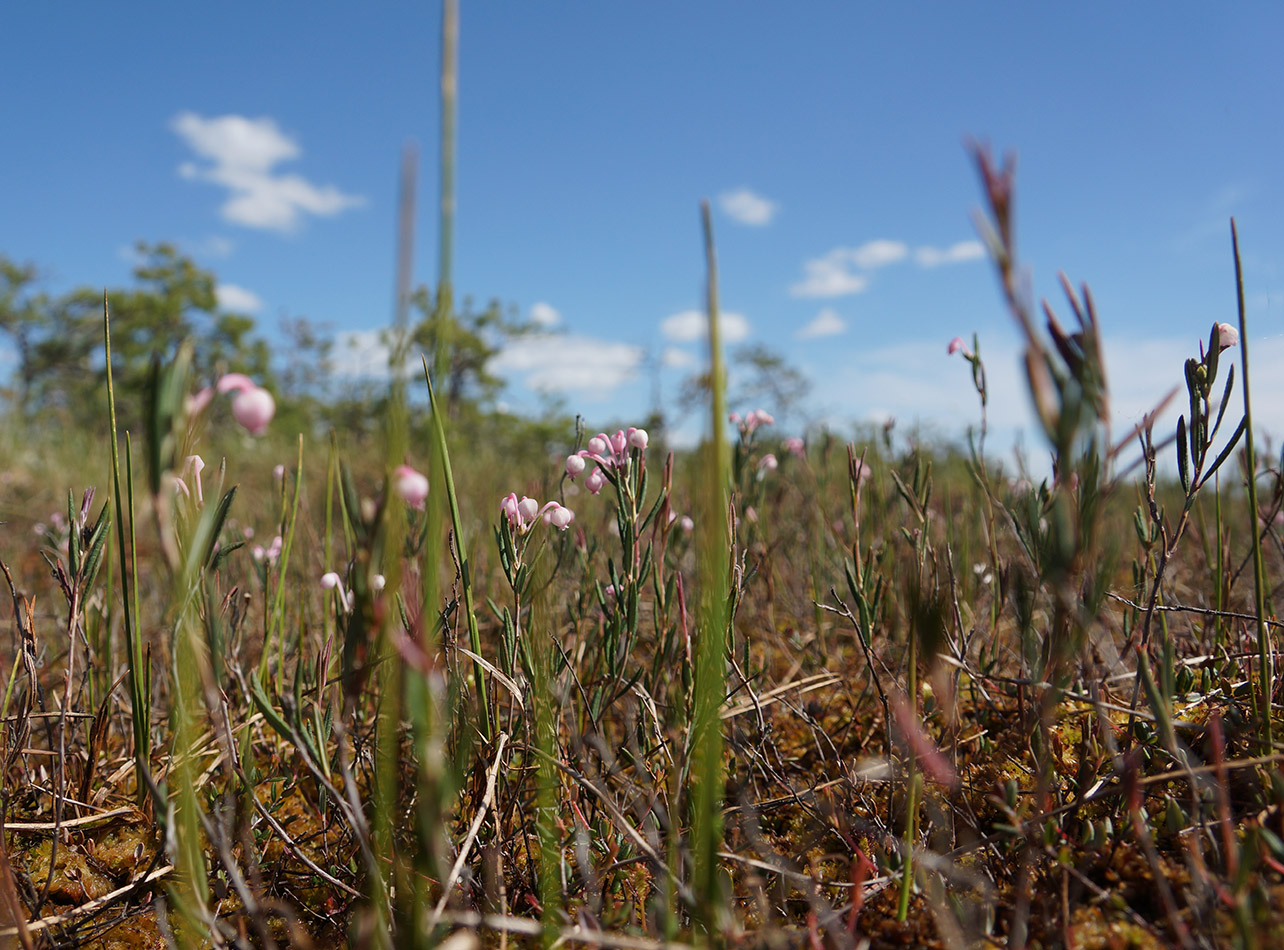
(752, 420)
(252, 406)
(686, 523)
(346, 598)
(192, 468)
(269, 554)
(796, 447)
(332, 581)
(523, 513)
(610, 452)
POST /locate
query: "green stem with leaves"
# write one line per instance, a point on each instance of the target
(1265, 657)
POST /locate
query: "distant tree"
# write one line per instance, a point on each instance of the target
(175, 301)
(22, 312)
(59, 341)
(472, 338)
(307, 362)
(757, 377)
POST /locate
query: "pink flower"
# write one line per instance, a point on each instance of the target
(332, 581)
(196, 464)
(638, 438)
(796, 447)
(596, 479)
(527, 509)
(619, 442)
(958, 346)
(1227, 335)
(558, 516)
(574, 465)
(522, 513)
(753, 419)
(253, 408)
(769, 463)
(272, 552)
(199, 400)
(599, 445)
(278, 473)
(235, 381)
(687, 524)
(412, 486)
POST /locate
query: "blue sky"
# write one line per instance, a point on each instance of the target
(265, 140)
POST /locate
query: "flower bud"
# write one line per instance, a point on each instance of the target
(254, 408)
(574, 465)
(559, 517)
(412, 486)
(1227, 335)
(508, 507)
(527, 509)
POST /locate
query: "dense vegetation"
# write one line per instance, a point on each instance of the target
(295, 662)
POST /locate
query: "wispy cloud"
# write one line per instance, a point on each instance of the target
(826, 323)
(675, 357)
(879, 253)
(844, 270)
(545, 315)
(954, 254)
(557, 363)
(747, 207)
(691, 325)
(238, 299)
(216, 245)
(241, 155)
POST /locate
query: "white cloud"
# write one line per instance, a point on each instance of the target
(545, 315)
(829, 276)
(746, 207)
(691, 325)
(841, 271)
(557, 363)
(238, 299)
(954, 254)
(845, 270)
(879, 253)
(216, 246)
(677, 358)
(826, 323)
(242, 155)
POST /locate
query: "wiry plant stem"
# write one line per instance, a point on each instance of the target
(1265, 658)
